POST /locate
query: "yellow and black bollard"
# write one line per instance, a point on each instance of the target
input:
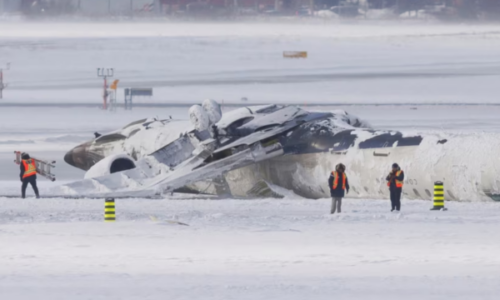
(438, 196)
(109, 210)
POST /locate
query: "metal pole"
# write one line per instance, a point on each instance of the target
(104, 95)
(105, 73)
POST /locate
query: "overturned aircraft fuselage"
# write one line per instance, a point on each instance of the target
(283, 146)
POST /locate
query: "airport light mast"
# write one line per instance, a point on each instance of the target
(105, 73)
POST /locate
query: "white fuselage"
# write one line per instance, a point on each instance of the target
(464, 164)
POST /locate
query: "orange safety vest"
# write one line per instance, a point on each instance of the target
(29, 168)
(399, 184)
(336, 180)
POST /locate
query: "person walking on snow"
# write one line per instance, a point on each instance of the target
(395, 183)
(28, 174)
(339, 185)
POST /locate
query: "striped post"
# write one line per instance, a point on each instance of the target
(109, 210)
(438, 196)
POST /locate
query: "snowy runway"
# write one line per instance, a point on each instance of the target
(357, 63)
(233, 249)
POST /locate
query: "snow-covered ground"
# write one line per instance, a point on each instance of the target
(234, 249)
(357, 63)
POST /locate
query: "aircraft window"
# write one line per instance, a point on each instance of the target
(110, 138)
(135, 123)
(428, 193)
(416, 193)
(410, 141)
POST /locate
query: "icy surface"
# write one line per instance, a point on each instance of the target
(184, 63)
(232, 249)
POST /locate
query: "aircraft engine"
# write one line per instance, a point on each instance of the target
(111, 164)
(213, 110)
(199, 118)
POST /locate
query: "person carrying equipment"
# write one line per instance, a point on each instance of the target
(28, 174)
(395, 183)
(339, 185)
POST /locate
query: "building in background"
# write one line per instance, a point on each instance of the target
(117, 7)
(40, 8)
(382, 9)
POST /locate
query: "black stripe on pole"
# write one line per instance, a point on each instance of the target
(109, 209)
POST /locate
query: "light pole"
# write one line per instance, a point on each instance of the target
(2, 85)
(105, 73)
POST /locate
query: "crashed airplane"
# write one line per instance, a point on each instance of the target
(261, 151)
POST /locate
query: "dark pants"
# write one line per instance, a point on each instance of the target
(31, 180)
(396, 198)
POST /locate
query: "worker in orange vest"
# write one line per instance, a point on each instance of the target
(339, 185)
(395, 183)
(28, 174)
